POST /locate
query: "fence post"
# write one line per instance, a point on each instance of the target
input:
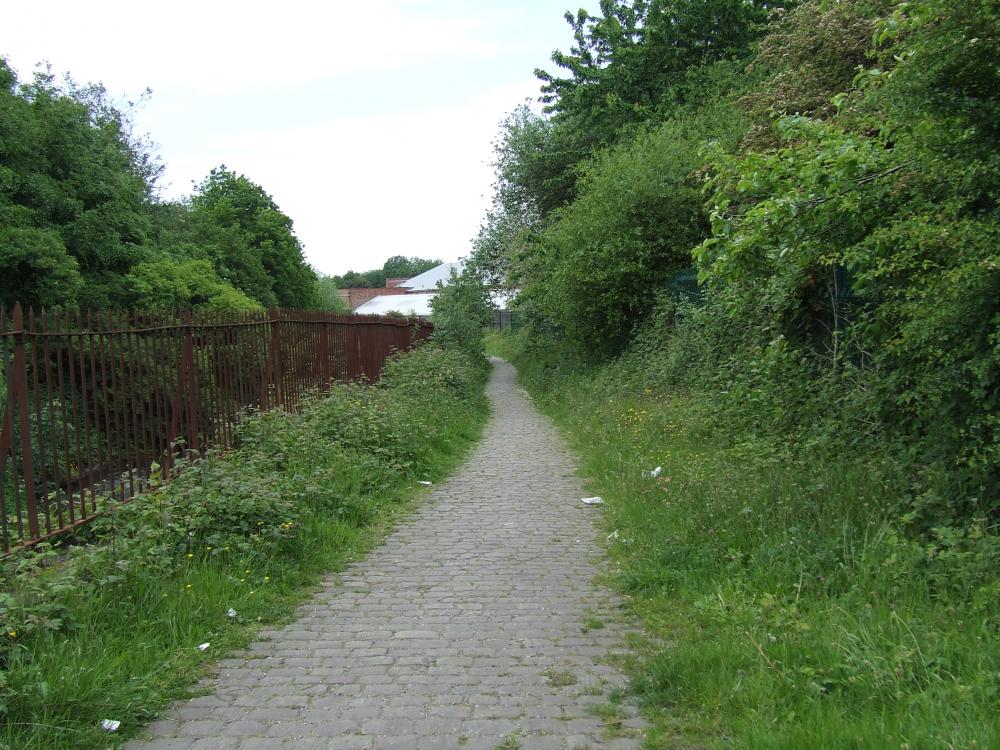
(324, 353)
(274, 316)
(190, 383)
(19, 386)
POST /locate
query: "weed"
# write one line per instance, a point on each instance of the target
(561, 678)
(592, 623)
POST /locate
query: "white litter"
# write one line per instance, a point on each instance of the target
(110, 725)
(612, 535)
(653, 473)
(592, 501)
(204, 646)
(426, 484)
(230, 613)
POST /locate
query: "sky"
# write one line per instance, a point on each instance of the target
(370, 124)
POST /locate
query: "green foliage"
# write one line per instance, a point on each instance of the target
(250, 241)
(807, 60)
(461, 311)
(328, 297)
(35, 268)
(111, 628)
(79, 224)
(73, 181)
(821, 549)
(179, 284)
(594, 267)
(848, 258)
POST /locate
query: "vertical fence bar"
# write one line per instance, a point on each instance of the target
(100, 355)
(89, 401)
(85, 424)
(19, 385)
(43, 470)
(67, 483)
(190, 382)
(99, 456)
(275, 359)
(75, 412)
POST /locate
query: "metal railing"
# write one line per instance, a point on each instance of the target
(96, 405)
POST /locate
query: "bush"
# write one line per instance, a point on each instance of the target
(461, 312)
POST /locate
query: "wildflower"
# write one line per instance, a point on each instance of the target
(12, 634)
(267, 578)
(189, 555)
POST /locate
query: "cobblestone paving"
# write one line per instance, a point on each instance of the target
(476, 625)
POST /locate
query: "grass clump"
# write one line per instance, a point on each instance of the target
(111, 629)
(788, 602)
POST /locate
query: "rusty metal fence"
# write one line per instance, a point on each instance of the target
(96, 405)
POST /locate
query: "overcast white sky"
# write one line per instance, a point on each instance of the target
(369, 123)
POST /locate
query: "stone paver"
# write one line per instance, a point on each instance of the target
(463, 630)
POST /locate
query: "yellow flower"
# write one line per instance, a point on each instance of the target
(187, 585)
(267, 578)
(190, 555)
(12, 633)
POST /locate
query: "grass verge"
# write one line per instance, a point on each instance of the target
(112, 629)
(785, 607)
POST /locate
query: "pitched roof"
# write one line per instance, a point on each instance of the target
(428, 280)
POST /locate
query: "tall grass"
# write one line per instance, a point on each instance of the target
(112, 629)
(785, 606)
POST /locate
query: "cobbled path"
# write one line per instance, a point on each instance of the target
(476, 625)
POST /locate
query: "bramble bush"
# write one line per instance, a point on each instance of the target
(108, 627)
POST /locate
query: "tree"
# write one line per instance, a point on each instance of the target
(328, 296)
(69, 165)
(632, 60)
(173, 284)
(250, 241)
(461, 310)
(35, 269)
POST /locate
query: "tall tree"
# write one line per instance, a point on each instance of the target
(74, 181)
(250, 241)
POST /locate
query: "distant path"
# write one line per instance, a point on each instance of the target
(464, 630)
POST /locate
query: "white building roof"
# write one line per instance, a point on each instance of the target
(428, 280)
(408, 304)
